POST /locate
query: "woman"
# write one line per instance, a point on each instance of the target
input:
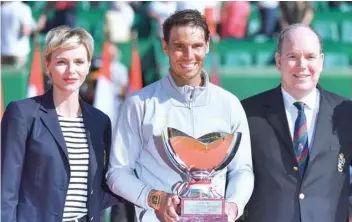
(54, 146)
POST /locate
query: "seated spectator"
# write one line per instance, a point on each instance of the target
(64, 14)
(212, 14)
(17, 24)
(234, 18)
(160, 10)
(118, 21)
(268, 17)
(210, 9)
(295, 12)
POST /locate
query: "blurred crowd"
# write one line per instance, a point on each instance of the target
(226, 19)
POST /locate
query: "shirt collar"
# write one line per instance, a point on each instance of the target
(183, 95)
(309, 100)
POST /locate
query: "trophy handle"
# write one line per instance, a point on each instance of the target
(231, 153)
(173, 157)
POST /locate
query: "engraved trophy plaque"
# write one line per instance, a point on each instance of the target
(200, 160)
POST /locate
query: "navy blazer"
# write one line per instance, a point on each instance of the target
(280, 194)
(35, 169)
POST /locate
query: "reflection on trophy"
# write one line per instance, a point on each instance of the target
(200, 160)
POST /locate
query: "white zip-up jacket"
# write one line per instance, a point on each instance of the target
(138, 162)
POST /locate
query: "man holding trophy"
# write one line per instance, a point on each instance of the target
(182, 148)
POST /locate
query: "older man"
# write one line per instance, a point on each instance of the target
(301, 138)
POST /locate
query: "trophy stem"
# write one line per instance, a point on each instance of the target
(200, 175)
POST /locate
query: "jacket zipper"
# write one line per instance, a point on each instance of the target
(191, 99)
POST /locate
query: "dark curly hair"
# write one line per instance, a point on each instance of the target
(185, 17)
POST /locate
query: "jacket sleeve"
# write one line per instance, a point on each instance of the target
(13, 147)
(107, 197)
(126, 148)
(240, 177)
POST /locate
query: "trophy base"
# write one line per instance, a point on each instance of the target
(203, 218)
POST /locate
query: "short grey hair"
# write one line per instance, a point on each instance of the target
(66, 37)
(290, 28)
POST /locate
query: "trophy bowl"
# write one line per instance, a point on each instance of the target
(200, 160)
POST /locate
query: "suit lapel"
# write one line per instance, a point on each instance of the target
(51, 121)
(276, 115)
(323, 128)
(89, 126)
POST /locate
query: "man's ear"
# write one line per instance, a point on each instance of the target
(277, 60)
(165, 47)
(207, 45)
(322, 56)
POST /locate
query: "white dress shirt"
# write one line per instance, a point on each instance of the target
(137, 161)
(311, 110)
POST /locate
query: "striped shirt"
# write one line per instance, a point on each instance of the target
(78, 153)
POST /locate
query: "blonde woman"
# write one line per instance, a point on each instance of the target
(54, 146)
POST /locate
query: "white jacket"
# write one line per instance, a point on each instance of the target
(196, 111)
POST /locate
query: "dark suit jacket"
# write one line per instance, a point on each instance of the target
(34, 161)
(280, 195)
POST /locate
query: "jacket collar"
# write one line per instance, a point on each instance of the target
(311, 100)
(275, 112)
(276, 116)
(186, 95)
(51, 121)
(47, 104)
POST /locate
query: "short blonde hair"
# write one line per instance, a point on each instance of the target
(66, 37)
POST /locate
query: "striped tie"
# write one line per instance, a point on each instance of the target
(300, 139)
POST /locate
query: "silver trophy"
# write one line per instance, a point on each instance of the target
(200, 160)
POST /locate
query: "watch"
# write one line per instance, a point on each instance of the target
(154, 199)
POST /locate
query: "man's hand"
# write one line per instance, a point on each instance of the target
(165, 205)
(231, 211)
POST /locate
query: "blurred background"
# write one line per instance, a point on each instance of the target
(128, 47)
(242, 48)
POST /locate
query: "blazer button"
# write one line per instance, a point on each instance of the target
(91, 218)
(295, 169)
(301, 196)
(91, 193)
